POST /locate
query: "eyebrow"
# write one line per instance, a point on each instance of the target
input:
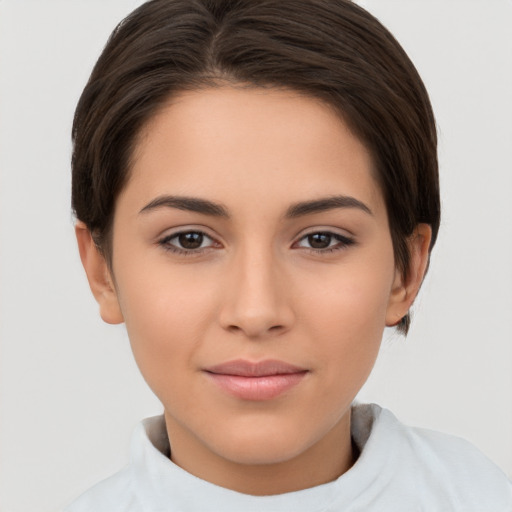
(206, 207)
(325, 204)
(191, 204)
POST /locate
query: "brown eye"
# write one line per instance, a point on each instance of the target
(324, 242)
(190, 240)
(319, 240)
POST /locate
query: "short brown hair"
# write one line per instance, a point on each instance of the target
(328, 49)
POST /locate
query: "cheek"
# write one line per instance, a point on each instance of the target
(349, 330)
(347, 319)
(165, 314)
(353, 301)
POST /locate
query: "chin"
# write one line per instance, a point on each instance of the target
(262, 447)
(260, 454)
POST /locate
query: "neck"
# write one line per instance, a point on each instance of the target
(324, 461)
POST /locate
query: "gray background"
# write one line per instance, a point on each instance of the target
(70, 393)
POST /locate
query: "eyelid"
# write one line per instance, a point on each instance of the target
(343, 240)
(163, 240)
(335, 231)
(186, 228)
(171, 236)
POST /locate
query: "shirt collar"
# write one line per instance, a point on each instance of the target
(158, 482)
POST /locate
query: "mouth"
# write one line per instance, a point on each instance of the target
(258, 381)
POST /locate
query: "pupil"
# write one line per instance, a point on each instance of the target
(191, 240)
(319, 240)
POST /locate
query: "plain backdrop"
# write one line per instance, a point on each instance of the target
(70, 393)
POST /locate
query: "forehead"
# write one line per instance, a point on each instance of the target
(274, 145)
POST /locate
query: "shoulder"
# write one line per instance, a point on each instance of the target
(467, 475)
(124, 491)
(436, 467)
(112, 494)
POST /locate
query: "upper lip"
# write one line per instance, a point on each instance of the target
(243, 368)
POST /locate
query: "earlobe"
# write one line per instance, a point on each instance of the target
(406, 288)
(98, 275)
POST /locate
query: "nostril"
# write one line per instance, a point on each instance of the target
(255, 331)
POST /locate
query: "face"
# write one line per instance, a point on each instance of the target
(254, 269)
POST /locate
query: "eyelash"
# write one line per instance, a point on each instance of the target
(166, 245)
(343, 243)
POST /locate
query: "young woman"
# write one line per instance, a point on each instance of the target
(256, 193)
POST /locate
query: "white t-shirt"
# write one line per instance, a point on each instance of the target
(399, 469)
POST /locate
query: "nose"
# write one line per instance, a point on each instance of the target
(256, 296)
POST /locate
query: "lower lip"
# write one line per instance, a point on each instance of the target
(257, 388)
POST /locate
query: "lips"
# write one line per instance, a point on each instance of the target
(258, 381)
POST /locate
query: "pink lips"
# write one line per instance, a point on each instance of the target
(256, 381)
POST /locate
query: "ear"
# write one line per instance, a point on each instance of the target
(98, 275)
(404, 290)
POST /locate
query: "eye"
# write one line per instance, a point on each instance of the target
(324, 241)
(186, 242)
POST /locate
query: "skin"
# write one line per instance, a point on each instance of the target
(256, 289)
